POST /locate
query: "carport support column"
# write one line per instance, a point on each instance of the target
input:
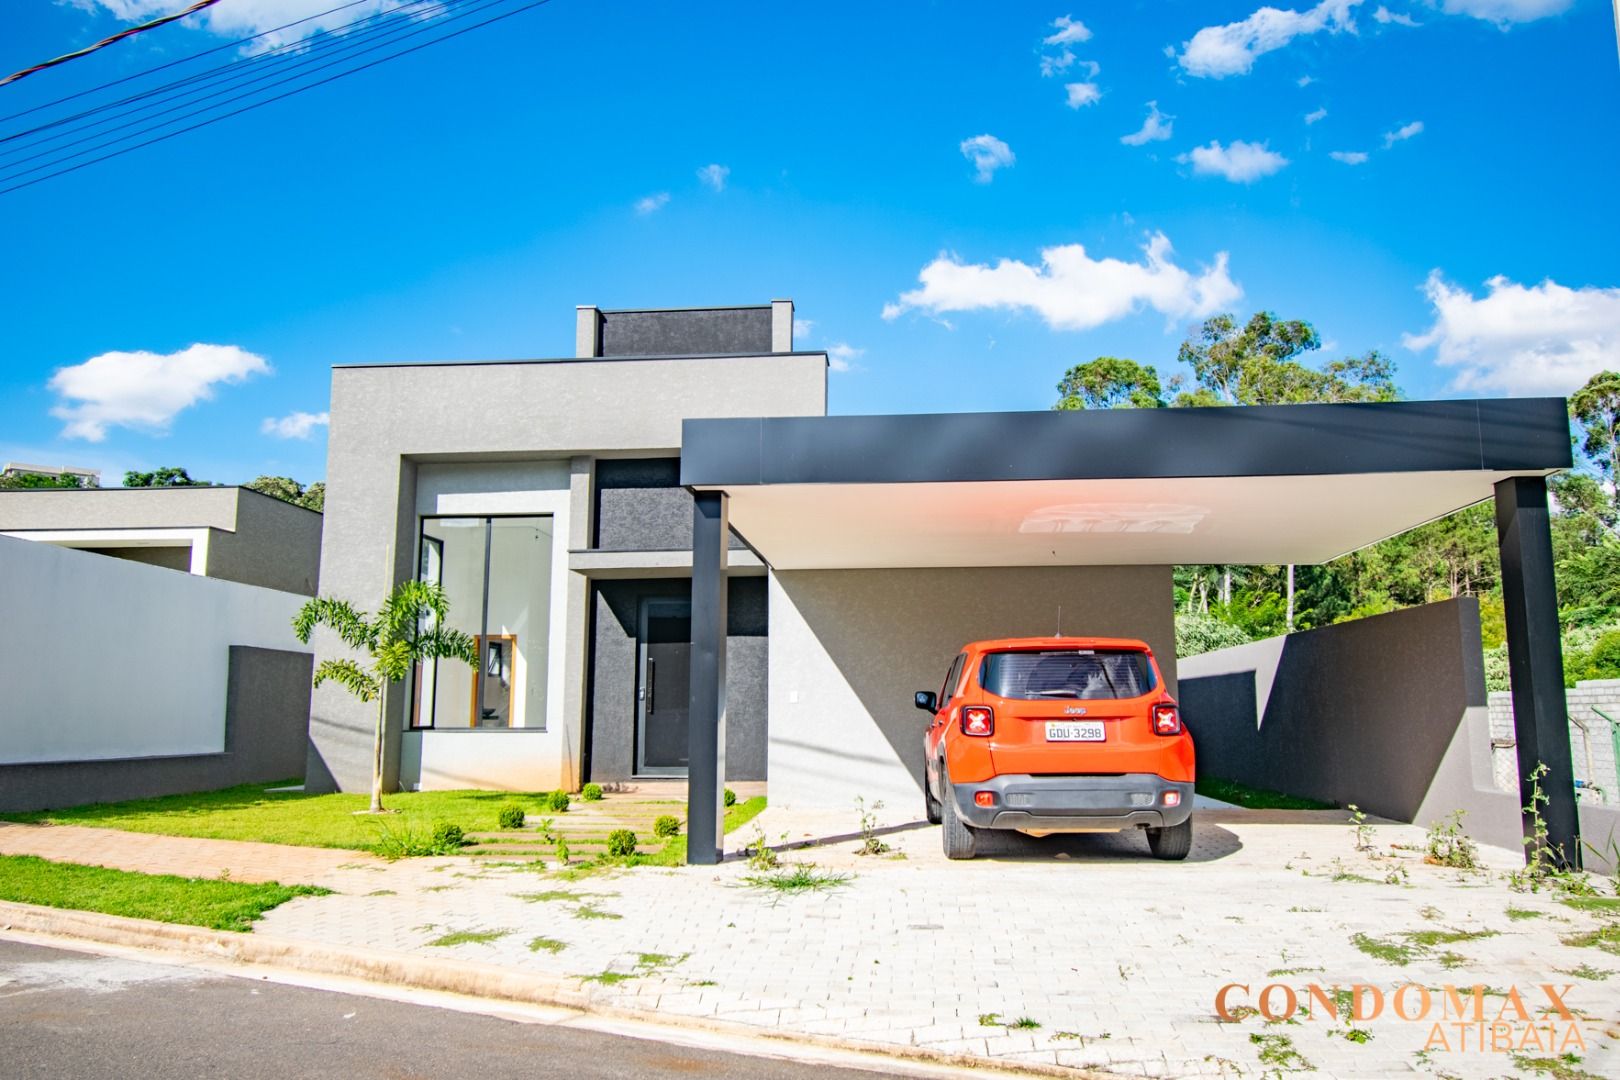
(1536, 661)
(706, 745)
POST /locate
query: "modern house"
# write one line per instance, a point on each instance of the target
(675, 563)
(231, 533)
(84, 477)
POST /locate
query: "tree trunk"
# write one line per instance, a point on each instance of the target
(377, 756)
(1226, 586)
(1290, 598)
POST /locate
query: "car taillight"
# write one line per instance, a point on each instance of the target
(978, 720)
(984, 798)
(1172, 798)
(1166, 720)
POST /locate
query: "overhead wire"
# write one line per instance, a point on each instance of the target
(434, 24)
(151, 24)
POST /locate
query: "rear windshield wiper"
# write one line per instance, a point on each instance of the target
(1057, 693)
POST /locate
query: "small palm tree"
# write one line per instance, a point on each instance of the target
(407, 630)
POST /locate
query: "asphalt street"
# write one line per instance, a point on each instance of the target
(71, 1014)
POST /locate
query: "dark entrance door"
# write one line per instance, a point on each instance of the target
(664, 654)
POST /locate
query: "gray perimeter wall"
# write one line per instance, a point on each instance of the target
(709, 332)
(266, 732)
(850, 647)
(1387, 712)
(613, 675)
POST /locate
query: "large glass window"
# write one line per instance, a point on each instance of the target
(496, 573)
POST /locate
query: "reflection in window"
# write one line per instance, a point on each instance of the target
(496, 573)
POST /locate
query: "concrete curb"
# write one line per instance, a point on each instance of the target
(483, 981)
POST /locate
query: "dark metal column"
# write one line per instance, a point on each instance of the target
(1536, 660)
(706, 756)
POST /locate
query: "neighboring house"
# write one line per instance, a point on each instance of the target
(231, 533)
(85, 477)
(544, 495)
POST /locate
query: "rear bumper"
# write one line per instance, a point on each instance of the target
(1074, 803)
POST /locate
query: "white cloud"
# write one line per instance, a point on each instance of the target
(714, 176)
(1304, 80)
(1521, 339)
(1070, 290)
(1156, 128)
(1241, 163)
(245, 18)
(1349, 157)
(802, 328)
(651, 204)
(1313, 117)
(988, 154)
(842, 356)
(1505, 13)
(144, 390)
(1386, 17)
(1218, 51)
(1402, 133)
(1053, 63)
(295, 425)
(1083, 93)
(1066, 31)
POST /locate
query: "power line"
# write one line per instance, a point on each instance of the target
(104, 42)
(206, 107)
(290, 93)
(220, 77)
(184, 60)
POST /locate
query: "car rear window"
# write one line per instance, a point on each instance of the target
(1085, 674)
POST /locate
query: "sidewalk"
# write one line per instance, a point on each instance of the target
(1114, 958)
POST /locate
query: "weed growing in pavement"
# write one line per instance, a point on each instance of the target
(469, 937)
(800, 878)
(562, 852)
(990, 1020)
(870, 844)
(1448, 845)
(1562, 1067)
(591, 911)
(1391, 952)
(1025, 1023)
(1586, 971)
(547, 944)
(761, 857)
(1606, 937)
(1361, 830)
(1278, 1052)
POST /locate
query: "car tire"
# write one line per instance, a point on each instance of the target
(961, 839)
(1172, 842)
(931, 807)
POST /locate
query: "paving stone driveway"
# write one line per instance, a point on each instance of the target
(1116, 957)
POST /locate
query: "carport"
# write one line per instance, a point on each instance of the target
(1297, 484)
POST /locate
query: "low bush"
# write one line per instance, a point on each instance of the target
(731, 797)
(510, 816)
(445, 838)
(591, 792)
(621, 843)
(557, 802)
(666, 825)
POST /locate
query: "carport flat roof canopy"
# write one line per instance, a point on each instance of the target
(1242, 485)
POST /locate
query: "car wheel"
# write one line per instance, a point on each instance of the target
(931, 807)
(1172, 842)
(961, 839)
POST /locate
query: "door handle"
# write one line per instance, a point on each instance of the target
(651, 668)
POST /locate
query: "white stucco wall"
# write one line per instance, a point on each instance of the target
(850, 647)
(105, 658)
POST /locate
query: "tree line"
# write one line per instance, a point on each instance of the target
(285, 488)
(1262, 362)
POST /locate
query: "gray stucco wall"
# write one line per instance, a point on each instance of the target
(850, 647)
(1361, 712)
(613, 675)
(641, 506)
(170, 558)
(266, 733)
(253, 538)
(386, 418)
(706, 331)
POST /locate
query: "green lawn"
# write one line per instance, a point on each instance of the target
(1255, 798)
(251, 812)
(218, 905)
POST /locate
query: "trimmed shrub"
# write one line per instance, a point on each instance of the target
(557, 802)
(447, 838)
(731, 797)
(510, 816)
(591, 792)
(666, 825)
(621, 843)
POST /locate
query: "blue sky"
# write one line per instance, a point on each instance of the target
(457, 203)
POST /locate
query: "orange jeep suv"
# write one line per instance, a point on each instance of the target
(1061, 734)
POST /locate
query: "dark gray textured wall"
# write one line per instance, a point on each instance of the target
(266, 735)
(708, 332)
(612, 718)
(1361, 712)
(640, 506)
(276, 545)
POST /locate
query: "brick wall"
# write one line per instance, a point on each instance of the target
(1591, 750)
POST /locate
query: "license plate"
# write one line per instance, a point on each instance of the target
(1075, 731)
